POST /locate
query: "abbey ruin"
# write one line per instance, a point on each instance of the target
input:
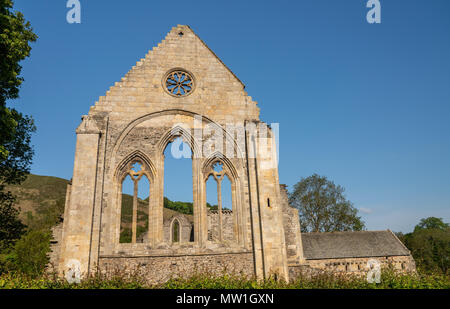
(182, 90)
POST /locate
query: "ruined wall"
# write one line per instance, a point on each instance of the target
(185, 229)
(55, 247)
(358, 266)
(405, 263)
(146, 142)
(227, 227)
(79, 212)
(291, 223)
(265, 188)
(162, 268)
(134, 122)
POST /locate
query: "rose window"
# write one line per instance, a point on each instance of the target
(179, 83)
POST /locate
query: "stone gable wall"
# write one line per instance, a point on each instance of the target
(218, 94)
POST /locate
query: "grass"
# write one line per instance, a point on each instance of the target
(389, 280)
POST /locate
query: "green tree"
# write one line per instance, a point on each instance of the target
(16, 166)
(31, 252)
(323, 207)
(15, 36)
(431, 223)
(15, 129)
(11, 228)
(430, 245)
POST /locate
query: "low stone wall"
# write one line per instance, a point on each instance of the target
(403, 263)
(227, 225)
(161, 268)
(303, 270)
(356, 266)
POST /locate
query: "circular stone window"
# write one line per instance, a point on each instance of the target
(178, 83)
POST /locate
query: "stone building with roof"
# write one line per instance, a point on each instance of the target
(351, 251)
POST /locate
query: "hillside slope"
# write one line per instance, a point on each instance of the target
(40, 198)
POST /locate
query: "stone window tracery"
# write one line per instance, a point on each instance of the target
(221, 221)
(217, 222)
(179, 83)
(134, 210)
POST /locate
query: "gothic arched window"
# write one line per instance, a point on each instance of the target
(178, 180)
(219, 201)
(135, 198)
(176, 232)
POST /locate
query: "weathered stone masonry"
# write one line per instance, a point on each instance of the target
(181, 89)
(133, 123)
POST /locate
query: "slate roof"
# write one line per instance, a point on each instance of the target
(352, 245)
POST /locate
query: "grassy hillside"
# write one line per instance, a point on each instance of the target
(40, 199)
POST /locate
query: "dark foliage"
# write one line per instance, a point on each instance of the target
(323, 207)
(430, 245)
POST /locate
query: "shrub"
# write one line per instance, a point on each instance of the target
(389, 280)
(31, 252)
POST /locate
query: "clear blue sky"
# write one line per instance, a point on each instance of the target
(367, 105)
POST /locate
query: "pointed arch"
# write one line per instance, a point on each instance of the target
(156, 167)
(136, 156)
(239, 152)
(219, 157)
(140, 209)
(223, 223)
(175, 231)
(175, 132)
